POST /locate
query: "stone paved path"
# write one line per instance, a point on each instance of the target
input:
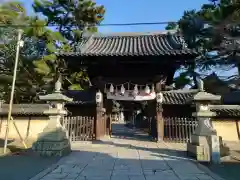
(124, 159)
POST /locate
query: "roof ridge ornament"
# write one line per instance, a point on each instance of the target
(83, 46)
(182, 41)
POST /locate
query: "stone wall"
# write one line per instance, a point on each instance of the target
(228, 129)
(29, 119)
(29, 127)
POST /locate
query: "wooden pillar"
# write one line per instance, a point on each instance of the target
(159, 116)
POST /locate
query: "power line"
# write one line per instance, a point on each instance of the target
(97, 25)
(137, 24)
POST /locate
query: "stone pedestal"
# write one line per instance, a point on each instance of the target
(199, 148)
(53, 141)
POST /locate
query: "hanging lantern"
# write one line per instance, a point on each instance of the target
(111, 90)
(99, 97)
(135, 90)
(122, 91)
(147, 89)
(159, 97)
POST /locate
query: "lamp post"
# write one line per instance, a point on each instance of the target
(19, 44)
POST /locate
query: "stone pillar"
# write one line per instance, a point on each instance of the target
(54, 141)
(99, 115)
(201, 145)
(159, 117)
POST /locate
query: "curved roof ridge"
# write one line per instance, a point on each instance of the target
(122, 34)
(182, 91)
(167, 43)
(223, 106)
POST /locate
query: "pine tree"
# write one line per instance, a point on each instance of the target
(215, 27)
(72, 18)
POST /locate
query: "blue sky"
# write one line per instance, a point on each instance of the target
(128, 11)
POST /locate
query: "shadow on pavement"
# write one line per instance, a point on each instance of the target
(20, 163)
(101, 159)
(126, 164)
(227, 170)
(24, 165)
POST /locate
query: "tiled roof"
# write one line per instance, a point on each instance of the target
(226, 110)
(178, 96)
(134, 45)
(25, 109)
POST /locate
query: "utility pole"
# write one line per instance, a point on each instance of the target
(19, 44)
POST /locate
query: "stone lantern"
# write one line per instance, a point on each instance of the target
(203, 113)
(53, 141)
(201, 144)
